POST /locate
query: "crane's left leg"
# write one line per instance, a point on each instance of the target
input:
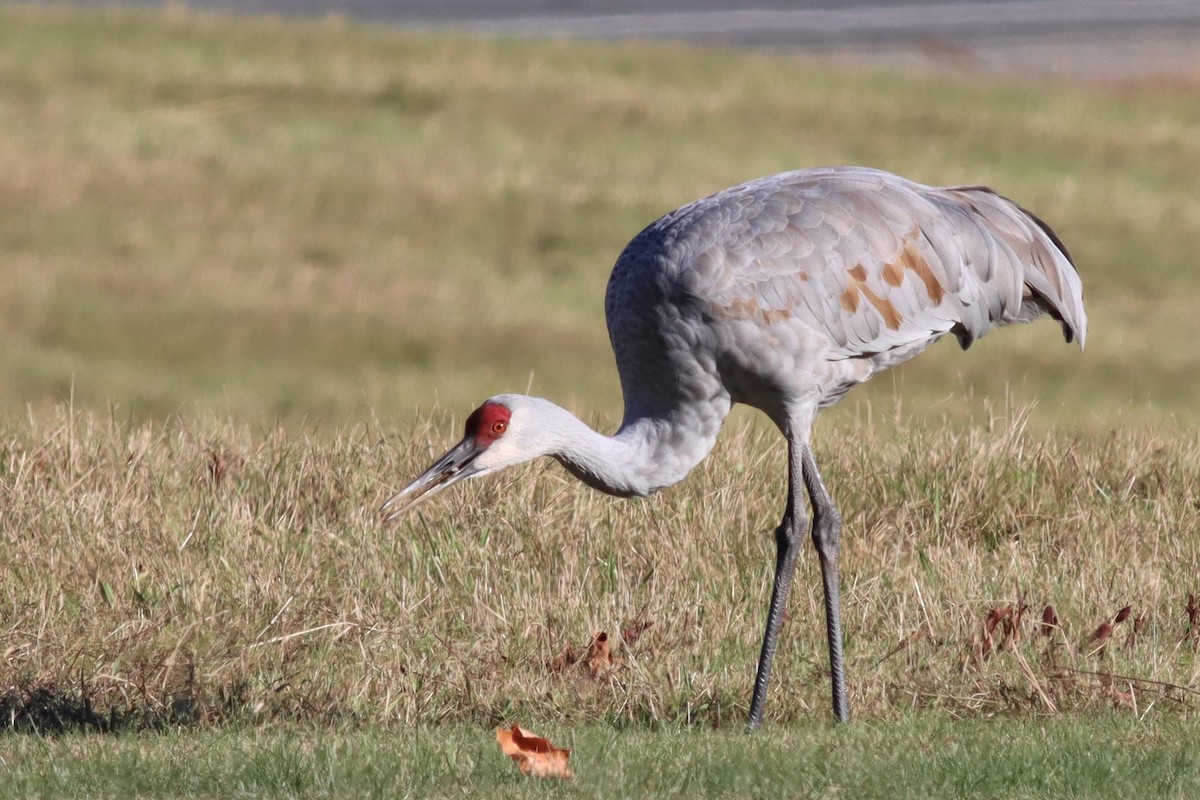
(826, 530)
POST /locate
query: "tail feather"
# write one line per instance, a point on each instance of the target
(1052, 284)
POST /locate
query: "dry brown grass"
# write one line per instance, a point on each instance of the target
(201, 571)
(204, 226)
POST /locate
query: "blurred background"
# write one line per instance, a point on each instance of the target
(322, 213)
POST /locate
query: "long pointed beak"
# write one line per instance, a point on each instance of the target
(446, 471)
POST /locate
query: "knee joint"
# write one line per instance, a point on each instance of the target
(827, 530)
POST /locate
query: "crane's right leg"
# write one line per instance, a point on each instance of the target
(826, 531)
(788, 537)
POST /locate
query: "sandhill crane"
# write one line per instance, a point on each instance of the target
(782, 293)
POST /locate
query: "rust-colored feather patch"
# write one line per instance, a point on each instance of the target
(891, 317)
(749, 309)
(913, 261)
(856, 286)
(893, 274)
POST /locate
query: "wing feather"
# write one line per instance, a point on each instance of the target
(877, 262)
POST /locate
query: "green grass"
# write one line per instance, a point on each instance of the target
(914, 757)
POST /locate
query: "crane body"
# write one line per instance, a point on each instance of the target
(783, 294)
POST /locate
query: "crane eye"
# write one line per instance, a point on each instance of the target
(499, 427)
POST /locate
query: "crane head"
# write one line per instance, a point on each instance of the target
(475, 455)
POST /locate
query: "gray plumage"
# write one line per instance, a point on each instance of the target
(796, 287)
(782, 293)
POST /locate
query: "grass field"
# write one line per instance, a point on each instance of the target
(257, 272)
(199, 214)
(913, 757)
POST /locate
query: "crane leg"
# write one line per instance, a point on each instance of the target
(787, 542)
(826, 531)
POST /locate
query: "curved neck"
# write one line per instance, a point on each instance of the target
(648, 453)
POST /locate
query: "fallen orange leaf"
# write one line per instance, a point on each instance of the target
(534, 755)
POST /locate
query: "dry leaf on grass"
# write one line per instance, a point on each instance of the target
(1099, 638)
(1049, 621)
(597, 657)
(600, 660)
(565, 658)
(633, 630)
(1193, 615)
(997, 624)
(533, 754)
